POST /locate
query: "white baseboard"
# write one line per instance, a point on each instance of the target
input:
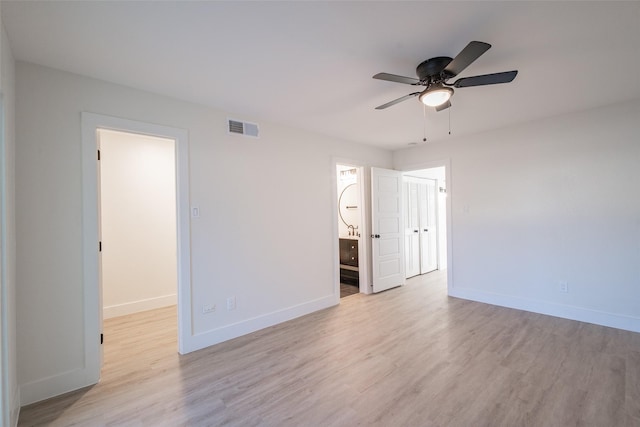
(138, 306)
(215, 336)
(78, 378)
(55, 385)
(14, 414)
(581, 314)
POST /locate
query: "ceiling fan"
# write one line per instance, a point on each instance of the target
(435, 72)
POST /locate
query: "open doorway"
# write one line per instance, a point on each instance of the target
(351, 226)
(137, 227)
(137, 222)
(93, 304)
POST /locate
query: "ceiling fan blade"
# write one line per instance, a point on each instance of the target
(443, 106)
(486, 79)
(469, 54)
(395, 101)
(397, 79)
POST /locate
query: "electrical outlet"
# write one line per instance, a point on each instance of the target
(231, 303)
(563, 286)
(208, 308)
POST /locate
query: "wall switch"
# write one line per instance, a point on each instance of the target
(208, 308)
(195, 212)
(563, 286)
(231, 303)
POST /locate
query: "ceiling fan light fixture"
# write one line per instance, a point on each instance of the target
(435, 96)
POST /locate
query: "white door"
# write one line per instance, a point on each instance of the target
(411, 229)
(387, 232)
(428, 227)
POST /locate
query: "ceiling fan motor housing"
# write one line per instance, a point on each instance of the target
(432, 69)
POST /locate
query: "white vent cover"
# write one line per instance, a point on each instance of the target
(243, 128)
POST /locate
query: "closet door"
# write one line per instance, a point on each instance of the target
(428, 226)
(412, 229)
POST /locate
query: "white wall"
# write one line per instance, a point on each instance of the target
(9, 394)
(262, 237)
(543, 202)
(138, 222)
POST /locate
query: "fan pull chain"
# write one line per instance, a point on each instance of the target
(424, 121)
(450, 120)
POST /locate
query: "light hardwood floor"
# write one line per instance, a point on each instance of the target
(410, 356)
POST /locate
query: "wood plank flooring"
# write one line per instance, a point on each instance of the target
(409, 356)
(347, 290)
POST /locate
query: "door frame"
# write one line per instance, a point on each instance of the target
(90, 222)
(363, 243)
(446, 163)
(5, 405)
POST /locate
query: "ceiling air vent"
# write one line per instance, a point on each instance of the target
(243, 128)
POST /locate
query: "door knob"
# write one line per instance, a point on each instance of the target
(375, 236)
(426, 229)
(415, 231)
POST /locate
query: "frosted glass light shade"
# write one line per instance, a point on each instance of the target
(435, 96)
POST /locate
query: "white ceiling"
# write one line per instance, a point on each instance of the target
(309, 64)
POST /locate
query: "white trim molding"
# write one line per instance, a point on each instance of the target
(139, 305)
(227, 332)
(581, 314)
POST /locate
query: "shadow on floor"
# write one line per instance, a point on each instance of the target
(346, 290)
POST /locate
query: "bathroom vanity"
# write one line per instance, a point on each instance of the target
(349, 273)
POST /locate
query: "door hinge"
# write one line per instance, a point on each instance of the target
(99, 246)
(98, 154)
(101, 338)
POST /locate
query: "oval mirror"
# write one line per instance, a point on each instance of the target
(348, 205)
